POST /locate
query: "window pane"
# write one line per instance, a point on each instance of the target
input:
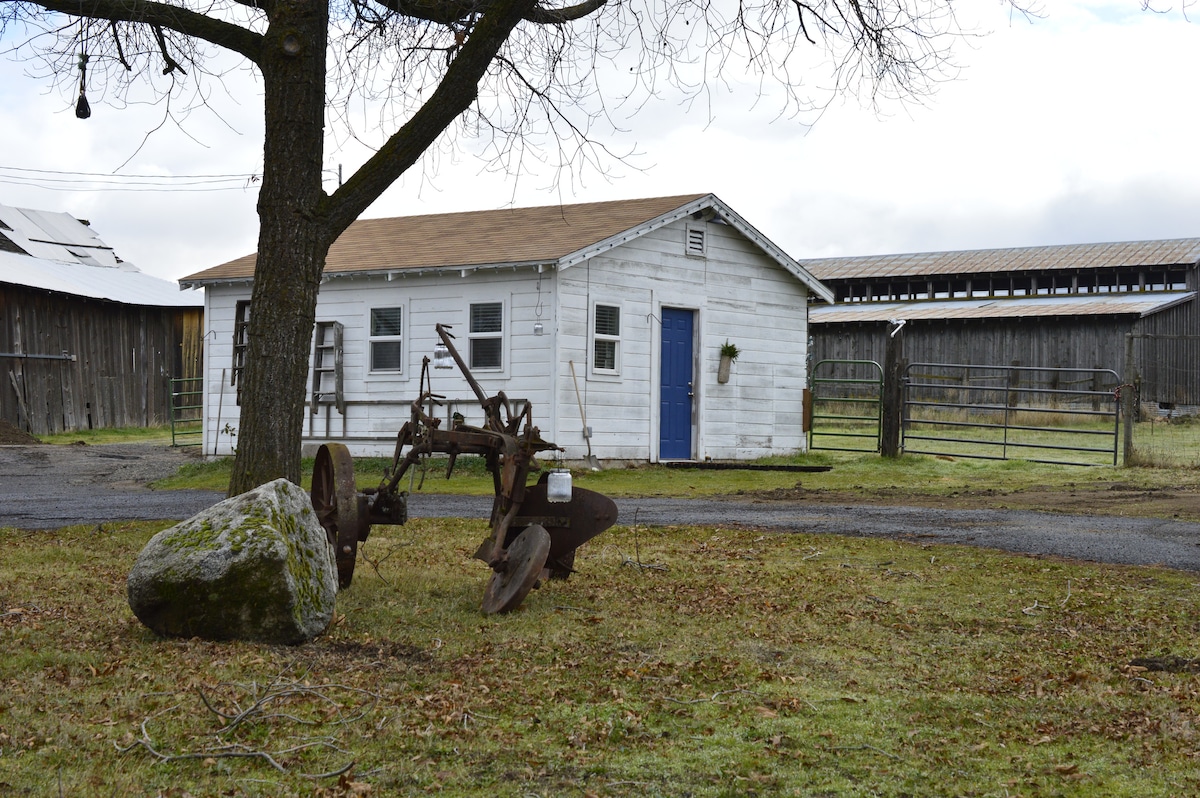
(606, 355)
(385, 321)
(386, 356)
(487, 318)
(486, 353)
(608, 320)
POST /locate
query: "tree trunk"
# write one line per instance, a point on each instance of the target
(293, 241)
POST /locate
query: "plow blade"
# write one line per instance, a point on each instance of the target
(569, 524)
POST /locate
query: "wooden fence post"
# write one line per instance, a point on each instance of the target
(1128, 407)
(892, 410)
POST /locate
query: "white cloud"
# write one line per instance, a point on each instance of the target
(1076, 127)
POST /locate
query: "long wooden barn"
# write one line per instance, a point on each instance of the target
(86, 339)
(1086, 306)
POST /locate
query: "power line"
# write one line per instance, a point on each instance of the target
(56, 180)
(111, 174)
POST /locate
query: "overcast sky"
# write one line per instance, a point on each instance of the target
(1077, 127)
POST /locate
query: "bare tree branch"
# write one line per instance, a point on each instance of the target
(161, 15)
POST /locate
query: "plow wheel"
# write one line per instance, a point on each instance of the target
(335, 501)
(526, 557)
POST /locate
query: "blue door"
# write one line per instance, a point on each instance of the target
(675, 410)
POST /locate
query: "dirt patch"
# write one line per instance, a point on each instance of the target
(11, 436)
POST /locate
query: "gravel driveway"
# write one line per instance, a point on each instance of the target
(46, 487)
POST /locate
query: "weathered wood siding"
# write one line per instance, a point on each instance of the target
(1167, 355)
(1085, 342)
(1166, 346)
(125, 356)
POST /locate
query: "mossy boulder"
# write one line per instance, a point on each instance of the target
(254, 567)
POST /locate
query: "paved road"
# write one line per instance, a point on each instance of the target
(49, 487)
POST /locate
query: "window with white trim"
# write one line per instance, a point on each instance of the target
(387, 339)
(486, 337)
(606, 338)
(696, 241)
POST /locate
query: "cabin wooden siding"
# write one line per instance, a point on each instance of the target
(738, 293)
(125, 356)
(377, 404)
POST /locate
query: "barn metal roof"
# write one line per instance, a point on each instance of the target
(56, 252)
(552, 235)
(1136, 304)
(1172, 252)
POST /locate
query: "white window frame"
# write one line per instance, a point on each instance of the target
(373, 339)
(595, 336)
(473, 336)
(695, 240)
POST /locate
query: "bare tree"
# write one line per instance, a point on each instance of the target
(500, 68)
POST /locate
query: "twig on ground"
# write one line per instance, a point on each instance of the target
(231, 751)
(254, 711)
(340, 771)
(713, 698)
(362, 550)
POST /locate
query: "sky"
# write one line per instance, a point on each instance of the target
(1076, 127)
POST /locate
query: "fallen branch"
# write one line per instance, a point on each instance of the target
(255, 710)
(713, 698)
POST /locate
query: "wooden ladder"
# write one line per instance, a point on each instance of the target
(327, 367)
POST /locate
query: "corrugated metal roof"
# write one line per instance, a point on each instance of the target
(1179, 251)
(66, 256)
(553, 234)
(1138, 304)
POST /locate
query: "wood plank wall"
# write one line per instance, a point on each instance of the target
(1166, 361)
(125, 356)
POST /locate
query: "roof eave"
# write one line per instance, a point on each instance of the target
(688, 209)
(387, 274)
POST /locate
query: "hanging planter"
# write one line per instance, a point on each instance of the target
(729, 353)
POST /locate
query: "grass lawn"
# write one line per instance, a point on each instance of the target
(679, 662)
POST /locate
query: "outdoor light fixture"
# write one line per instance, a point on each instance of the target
(537, 328)
(441, 357)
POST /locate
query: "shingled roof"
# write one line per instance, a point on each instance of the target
(561, 235)
(509, 236)
(1179, 251)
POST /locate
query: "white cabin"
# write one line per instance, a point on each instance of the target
(616, 311)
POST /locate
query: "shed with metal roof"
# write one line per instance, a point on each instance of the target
(87, 340)
(1073, 306)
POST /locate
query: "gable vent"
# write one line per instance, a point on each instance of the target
(697, 241)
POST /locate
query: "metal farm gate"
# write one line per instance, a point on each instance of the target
(1066, 416)
(847, 405)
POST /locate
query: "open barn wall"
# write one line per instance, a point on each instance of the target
(124, 357)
